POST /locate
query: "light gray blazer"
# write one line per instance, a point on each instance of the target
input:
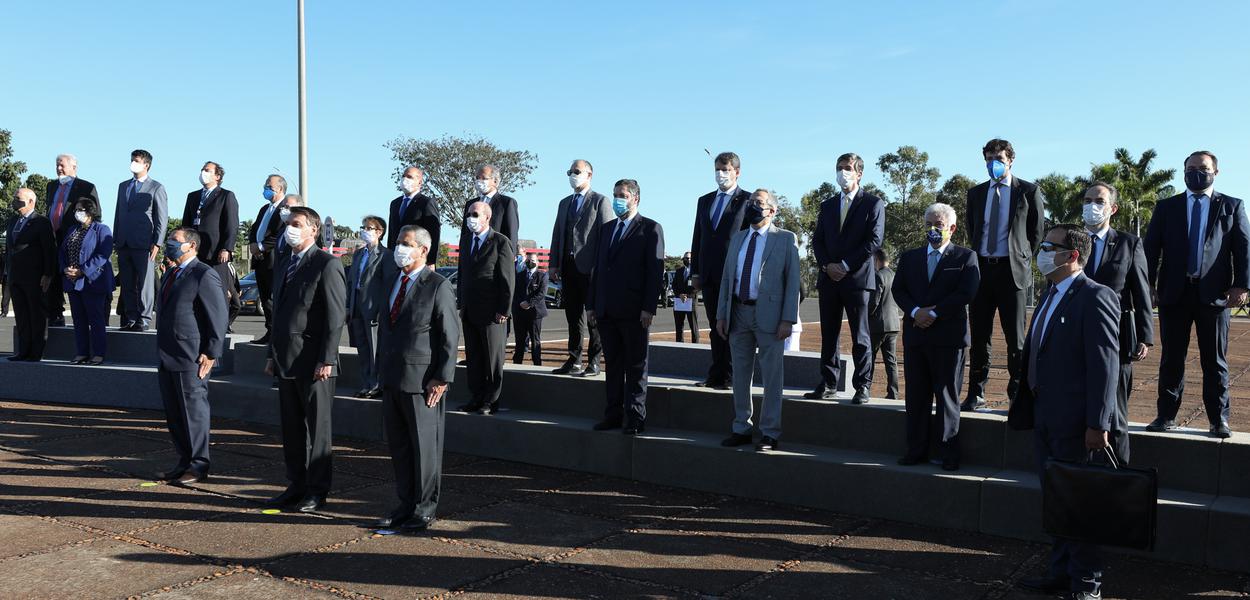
(778, 297)
(139, 222)
(596, 210)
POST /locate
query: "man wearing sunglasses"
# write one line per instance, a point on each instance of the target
(579, 217)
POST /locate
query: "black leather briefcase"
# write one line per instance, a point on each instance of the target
(1099, 504)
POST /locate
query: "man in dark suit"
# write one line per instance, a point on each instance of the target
(623, 295)
(484, 296)
(529, 308)
(62, 193)
(573, 238)
(310, 300)
(214, 213)
(1005, 219)
(504, 219)
(138, 234)
(934, 285)
(849, 229)
(30, 267)
(414, 208)
(718, 216)
(883, 322)
(418, 335)
(364, 294)
(1201, 238)
(683, 289)
(1070, 372)
(262, 239)
(1117, 260)
(190, 336)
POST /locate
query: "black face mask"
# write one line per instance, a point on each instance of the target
(1197, 181)
(529, 264)
(685, 261)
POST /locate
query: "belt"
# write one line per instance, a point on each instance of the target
(744, 302)
(1193, 280)
(993, 260)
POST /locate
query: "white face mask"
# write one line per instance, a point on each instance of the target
(724, 179)
(482, 186)
(136, 167)
(845, 178)
(81, 216)
(294, 236)
(403, 256)
(206, 176)
(368, 237)
(1094, 215)
(1046, 262)
(472, 223)
(577, 181)
(285, 213)
(409, 185)
(64, 179)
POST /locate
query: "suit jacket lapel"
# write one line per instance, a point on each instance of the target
(1217, 201)
(1057, 314)
(1109, 246)
(1017, 198)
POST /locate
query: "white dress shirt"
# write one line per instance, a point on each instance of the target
(756, 259)
(941, 250)
(1061, 288)
(1205, 202)
(1004, 218)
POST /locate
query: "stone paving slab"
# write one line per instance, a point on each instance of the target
(245, 586)
(24, 535)
(104, 567)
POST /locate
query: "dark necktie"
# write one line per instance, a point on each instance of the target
(1097, 255)
(169, 284)
(1035, 338)
(18, 228)
(399, 299)
(1195, 238)
(477, 245)
(748, 262)
(58, 208)
(991, 244)
(134, 187)
(616, 237)
(720, 207)
(403, 207)
(292, 267)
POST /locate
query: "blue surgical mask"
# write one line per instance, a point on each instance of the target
(997, 169)
(936, 236)
(268, 194)
(620, 206)
(173, 250)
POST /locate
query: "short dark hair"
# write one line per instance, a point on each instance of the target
(997, 145)
(88, 204)
(190, 235)
(1111, 191)
(221, 173)
(309, 215)
(630, 186)
(880, 255)
(376, 220)
(1076, 238)
(857, 163)
(142, 155)
(728, 158)
(1215, 162)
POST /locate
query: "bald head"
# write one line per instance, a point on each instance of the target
(24, 201)
(481, 212)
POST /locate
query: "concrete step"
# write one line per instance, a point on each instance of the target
(134, 348)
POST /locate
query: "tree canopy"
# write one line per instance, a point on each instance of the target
(450, 164)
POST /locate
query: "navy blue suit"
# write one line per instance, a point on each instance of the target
(853, 243)
(89, 294)
(933, 357)
(1184, 301)
(1072, 390)
(624, 284)
(191, 320)
(707, 262)
(62, 219)
(528, 322)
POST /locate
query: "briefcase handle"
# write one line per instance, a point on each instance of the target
(1115, 464)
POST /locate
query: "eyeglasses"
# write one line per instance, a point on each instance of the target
(1051, 246)
(371, 229)
(575, 172)
(472, 214)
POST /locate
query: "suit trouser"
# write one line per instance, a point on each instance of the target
(1119, 437)
(1079, 562)
(573, 288)
(54, 297)
(683, 317)
(722, 365)
(885, 343)
(625, 354)
(748, 345)
(414, 433)
(1211, 323)
(31, 321)
(484, 350)
(365, 339)
(306, 406)
(529, 335)
(137, 276)
(997, 294)
(836, 298)
(185, 396)
(90, 313)
(264, 290)
(6, 292)
(933, 374)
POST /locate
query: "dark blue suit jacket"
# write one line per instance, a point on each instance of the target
(710, 243)
(626, 279)
(532, 289)
(1225, 259)
(1078, 364)
(97, 249)
(954, 284)
(852, 242)
(191, 319)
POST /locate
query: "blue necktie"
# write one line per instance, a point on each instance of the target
(1195, 237)
(134, 187)
(364, 260)
(934, 257)
(292, 267)
(720, 206)
(616, 237)
(1097, 255)
(403, 207)
(748, 264)
(477, 245)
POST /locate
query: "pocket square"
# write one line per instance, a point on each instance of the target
(953, 269)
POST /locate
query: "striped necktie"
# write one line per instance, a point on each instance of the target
(292, 267)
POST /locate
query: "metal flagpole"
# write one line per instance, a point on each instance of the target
(303, 118)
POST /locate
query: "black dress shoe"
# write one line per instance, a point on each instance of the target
(373, 393)
(1161, 424)
(397, 517)
(727, 384)
(820, 393)
(736, 439)
(607, 425)
(262, 340)
(567, 369)
(490, 409)
(1221, 430)
(911, 460)
(973, 403)
(1046, 585)
(361, 393)
(1086, 595)
(191, 476)
(707, 383)
(56, 322)
(287, 498)
(416, 524)
(861, 396)
(169, 475)
(589, 371)
(462, 362)
(311, 504)
(16, 358)
(634, 429)
(471, 408)
(950, 464)
(767, 444)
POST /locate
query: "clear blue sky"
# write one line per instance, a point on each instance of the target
(639, 88)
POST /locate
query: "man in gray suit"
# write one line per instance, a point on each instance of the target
(190, 335)
(363, 287)
(884, 322)
(578, 220)
(1071, 363)
(758, 307)
(138, 232)
(418, 335)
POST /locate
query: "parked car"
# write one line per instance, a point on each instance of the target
(451, 273)
(249, 295)
(553, 294)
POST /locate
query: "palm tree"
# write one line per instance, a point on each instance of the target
(1141, 185)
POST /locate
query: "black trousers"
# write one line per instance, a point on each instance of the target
(483, 350)
(1079, 562)
(31, 318)
(1211, 323)
(885, 343)
(306, 406)
(54, 299)
(414, 433)
(264, 290)
(1119, 437)
(692, 317)
(997, 294)
(625, 354)
(230, 285)
(722, 363)
(187, 414)
(529, 336)
(836, 299)
(933, 374)
(573, 289)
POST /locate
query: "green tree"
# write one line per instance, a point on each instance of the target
(10, 175)
(909, 175)
(343, 232)
(451, 163)
(1064, 197)
(39, 184)
(955, 193)
(1140, 187)
(801, 219)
